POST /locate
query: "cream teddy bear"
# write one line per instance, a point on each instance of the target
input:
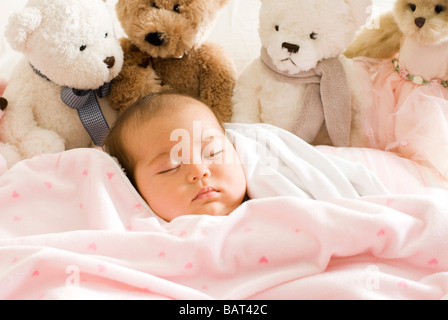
(301, 82)
(57, 93)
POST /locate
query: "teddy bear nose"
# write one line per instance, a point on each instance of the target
(420, 22)
(155, 38)
(292, 48)
(110, 62)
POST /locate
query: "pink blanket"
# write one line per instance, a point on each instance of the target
(72, 227)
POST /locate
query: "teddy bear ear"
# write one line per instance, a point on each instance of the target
(361, 10)
(21, 26)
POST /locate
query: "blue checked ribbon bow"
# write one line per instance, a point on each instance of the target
(89, 110)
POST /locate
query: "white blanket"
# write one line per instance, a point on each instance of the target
(317, 227)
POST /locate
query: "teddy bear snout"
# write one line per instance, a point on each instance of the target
(110, 62)
(292, 48)
(420, 22)
(155, 38)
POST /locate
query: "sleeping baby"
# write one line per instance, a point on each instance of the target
(175, 152)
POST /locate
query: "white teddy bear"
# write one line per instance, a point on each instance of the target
(57, 93)
(301, 82)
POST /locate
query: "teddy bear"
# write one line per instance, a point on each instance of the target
(407, 58)
(57, 94)
(301, 82)
(165, 50)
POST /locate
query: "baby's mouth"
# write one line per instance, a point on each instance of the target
(206, 193)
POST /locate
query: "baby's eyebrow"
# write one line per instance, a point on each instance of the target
(159, 157)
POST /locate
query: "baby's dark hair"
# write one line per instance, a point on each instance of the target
(136, 115)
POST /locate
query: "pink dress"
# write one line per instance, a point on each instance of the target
(410, 112)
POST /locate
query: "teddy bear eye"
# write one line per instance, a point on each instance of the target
(176, 8)
(154, 5)
(413, 7)
(82, 48)
(313, 35)
(277, 28)
(440, 8)
(106, 35)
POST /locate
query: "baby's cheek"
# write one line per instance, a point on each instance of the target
(154, 195)
(173, 200)
(237, 183)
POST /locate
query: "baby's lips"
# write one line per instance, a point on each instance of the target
(205, 192)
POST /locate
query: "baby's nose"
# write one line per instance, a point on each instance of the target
(198, 172)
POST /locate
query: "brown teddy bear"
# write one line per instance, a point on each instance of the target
(165, 50)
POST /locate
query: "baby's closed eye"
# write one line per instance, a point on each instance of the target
(214, 153)
(171, 169)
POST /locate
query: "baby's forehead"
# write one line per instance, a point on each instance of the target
(187, 104)
(192, 123)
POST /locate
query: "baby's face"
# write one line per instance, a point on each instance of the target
(185, 165)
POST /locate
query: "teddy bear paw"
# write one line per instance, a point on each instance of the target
(124, 92)
(42, 141)
(9, 156)
(136, 57)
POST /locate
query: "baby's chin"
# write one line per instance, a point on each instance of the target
(214, 209)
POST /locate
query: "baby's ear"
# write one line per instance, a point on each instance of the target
(361, 11)
(21, 26)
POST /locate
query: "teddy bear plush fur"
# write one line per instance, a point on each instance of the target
(302, 46)
(65, 43)
(165, 50)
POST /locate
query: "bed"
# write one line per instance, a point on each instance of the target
(323, 222)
